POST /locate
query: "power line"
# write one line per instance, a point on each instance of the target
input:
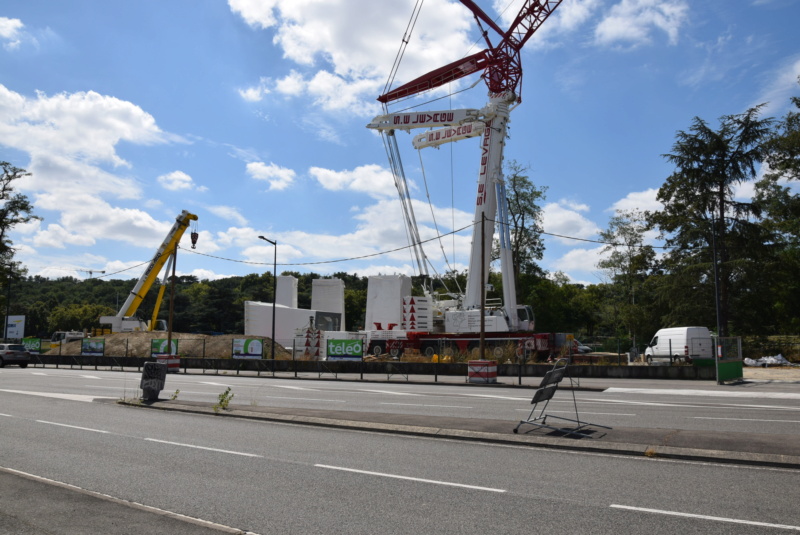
(372, 255)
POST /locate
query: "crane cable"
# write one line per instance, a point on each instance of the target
(404, 43)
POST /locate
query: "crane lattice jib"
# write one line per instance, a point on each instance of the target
(501, 63)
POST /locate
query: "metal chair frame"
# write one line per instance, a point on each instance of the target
(543, 395)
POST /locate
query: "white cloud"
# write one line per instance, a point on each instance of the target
(256, 13)
(229, 213)
(579, 260)
(279, 178)
(257, 92)
(84, 126)
(631, 22)
(782, 86)
(561, 220)
(373, 180)
(10, 32)
(84, 219)
(178, 180)
(638, 200)
(342, 68)
(59, 237)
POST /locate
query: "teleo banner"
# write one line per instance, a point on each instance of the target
(247, 348)
(94, 347)
(345, 349)
(158, 347)
(33, 345)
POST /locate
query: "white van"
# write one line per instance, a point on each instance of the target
(680, 343)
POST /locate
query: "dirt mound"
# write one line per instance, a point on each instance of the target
(137, 344)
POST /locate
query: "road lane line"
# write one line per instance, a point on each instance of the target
(390, 392)
(420, 405)
(419, 480)
(73, 426)
(127, 503)
(706, 517)
(645, 403)
(703, 393)
(70, 397)
(745, 419)
(203, 448)
(586, 412)
(303, 399)
(292, 387)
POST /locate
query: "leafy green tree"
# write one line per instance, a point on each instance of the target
(701, 214)
(77, 317)
(628, 263)
(525, 219)
(14, 210)
(781, 207)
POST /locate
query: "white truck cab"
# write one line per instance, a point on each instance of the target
(680, 343)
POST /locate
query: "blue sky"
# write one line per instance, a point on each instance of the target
(252, 113)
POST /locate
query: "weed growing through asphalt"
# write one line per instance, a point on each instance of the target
(174, 396)
(224, 399)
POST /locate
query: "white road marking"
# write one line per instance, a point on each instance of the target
(419, 480)
(304, 399)
(214, 384)
(584, 412)
(294, 387)
(490, 396)
(703, 393)
(420, 405)
(203, 448)
(706, 517)
(391, 392)
(38, 373)
(644, 403)
(73, 426)
(8, 415)
(90, 377)
(126, 503)
(746, 419)
(70, 397)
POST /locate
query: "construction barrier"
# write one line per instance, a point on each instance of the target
(482, 371)
(173, 362)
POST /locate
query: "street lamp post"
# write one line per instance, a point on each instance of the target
(274, 287)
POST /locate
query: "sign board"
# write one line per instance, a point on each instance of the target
(345, 349)
(94, 347)
(247, 348)
(15, 327)
(33, 345)
(158, 347)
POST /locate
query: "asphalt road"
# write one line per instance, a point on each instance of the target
(269, 477)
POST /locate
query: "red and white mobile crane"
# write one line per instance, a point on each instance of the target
(501, 68)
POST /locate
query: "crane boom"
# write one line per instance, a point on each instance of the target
(163, 253)
(501, 65)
